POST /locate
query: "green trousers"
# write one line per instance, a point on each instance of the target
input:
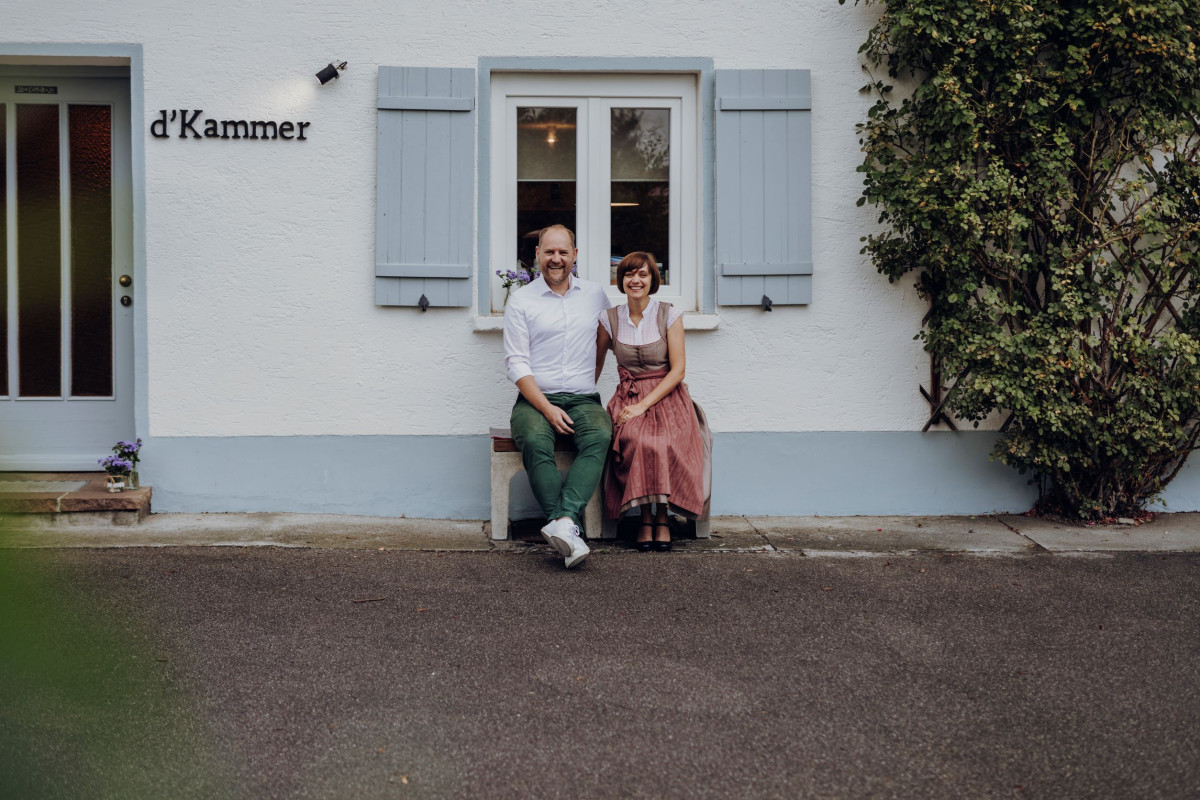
(532, 433)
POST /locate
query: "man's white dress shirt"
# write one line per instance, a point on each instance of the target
(553, 337)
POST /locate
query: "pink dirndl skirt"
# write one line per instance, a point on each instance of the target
(665, 455)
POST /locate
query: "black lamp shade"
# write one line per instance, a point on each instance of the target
(326, 75)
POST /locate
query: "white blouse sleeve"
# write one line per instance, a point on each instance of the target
(604, 322)
(673, 314)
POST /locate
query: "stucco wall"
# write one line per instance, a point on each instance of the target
(261, 315)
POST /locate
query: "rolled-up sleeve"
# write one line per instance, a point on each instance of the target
(516, 343)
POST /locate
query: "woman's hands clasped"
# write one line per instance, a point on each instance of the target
(630, 412)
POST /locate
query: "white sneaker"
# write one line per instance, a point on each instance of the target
(579, 549)
(560, 534)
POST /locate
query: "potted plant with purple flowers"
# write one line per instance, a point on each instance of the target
(116, 472)
(131, 452)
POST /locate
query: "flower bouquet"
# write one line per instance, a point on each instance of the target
(515, 277)
(116, 470)
(123, 462)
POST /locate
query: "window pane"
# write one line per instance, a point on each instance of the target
(39, 259)
(641, 208)
(91, 250)
(545, 174)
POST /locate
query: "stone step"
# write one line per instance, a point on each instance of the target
(53, 499)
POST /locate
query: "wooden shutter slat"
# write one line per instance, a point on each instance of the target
(796, 103)
(761, 268)
(427, 103)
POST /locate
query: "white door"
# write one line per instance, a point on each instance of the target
(66, 270)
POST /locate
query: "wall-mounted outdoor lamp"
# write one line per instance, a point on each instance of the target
(330, 72)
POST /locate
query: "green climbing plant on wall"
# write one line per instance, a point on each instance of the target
(1037, 171)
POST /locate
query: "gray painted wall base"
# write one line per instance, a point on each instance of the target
(447, 477)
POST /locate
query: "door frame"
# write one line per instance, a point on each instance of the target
(54, 59)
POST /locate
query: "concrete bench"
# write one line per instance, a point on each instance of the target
(506, 462)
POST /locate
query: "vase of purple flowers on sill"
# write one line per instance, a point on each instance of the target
(516, 278)
(131, 452)
(116, 472)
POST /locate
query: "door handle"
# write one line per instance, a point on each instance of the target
(125, 280)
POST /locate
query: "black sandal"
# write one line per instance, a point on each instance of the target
(663, 546)
(645, 546)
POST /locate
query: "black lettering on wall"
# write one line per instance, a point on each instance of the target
(255, 126)
(189, 118)
(158, 128)
(236, 124)
(185, 123)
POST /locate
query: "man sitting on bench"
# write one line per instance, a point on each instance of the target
(550, 354)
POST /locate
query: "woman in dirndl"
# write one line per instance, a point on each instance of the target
(662, 448)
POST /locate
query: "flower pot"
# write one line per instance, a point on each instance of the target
(115, 483)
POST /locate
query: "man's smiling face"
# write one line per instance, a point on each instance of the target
(556, 256)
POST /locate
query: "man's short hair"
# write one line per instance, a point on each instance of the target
(635, 261)
(556, 227)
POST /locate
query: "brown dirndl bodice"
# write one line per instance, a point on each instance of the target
(638, 359)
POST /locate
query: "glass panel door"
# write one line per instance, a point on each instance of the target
(66, 225)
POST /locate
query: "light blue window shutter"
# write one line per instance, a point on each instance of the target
(763, 186)
(425, 186)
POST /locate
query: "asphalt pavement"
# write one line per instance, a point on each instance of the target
(928, 658)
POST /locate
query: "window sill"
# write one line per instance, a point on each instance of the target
(692, 321)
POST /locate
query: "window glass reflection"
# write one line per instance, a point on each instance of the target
(90, 137)
(546, 179)
(39, 255)
(640, 199)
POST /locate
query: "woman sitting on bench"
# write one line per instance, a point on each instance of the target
(662, 448)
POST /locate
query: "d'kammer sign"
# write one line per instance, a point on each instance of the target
(188, 121)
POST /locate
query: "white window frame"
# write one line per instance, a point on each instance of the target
(595, 94)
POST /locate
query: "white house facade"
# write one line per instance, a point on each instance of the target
(288, 290)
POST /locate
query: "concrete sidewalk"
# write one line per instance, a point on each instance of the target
(810, 536)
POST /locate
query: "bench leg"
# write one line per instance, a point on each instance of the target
(593, 517)
(703, 529)
(504, 467)
(610, 528)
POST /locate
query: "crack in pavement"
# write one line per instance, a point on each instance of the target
(766, 541)
(1037, 547)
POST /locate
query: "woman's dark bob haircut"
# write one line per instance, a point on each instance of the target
(635, 261)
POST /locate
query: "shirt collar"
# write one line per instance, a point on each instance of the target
(651, 309)
(542, 288)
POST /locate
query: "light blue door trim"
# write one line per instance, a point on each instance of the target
(702, 67)
(50, 54)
